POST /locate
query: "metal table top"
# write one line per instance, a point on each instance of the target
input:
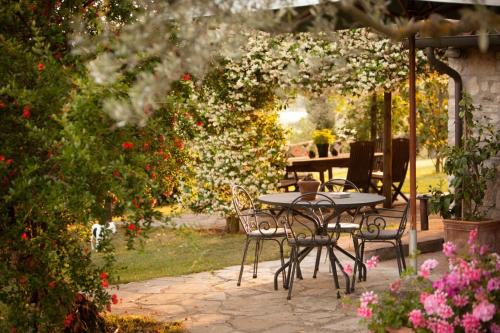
(354, 200)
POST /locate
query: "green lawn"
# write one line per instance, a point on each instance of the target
(170, 252)
(426, 176)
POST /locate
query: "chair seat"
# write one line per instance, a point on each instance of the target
(318, 240)
(344, 226)
(272, 232)
(383, 235)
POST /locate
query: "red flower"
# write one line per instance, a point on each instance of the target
(2, 158)
(2, 105)
(52, 284)
(116, 173)
(26, 112)
(148, 167)
(9, 161)
(153, 175)
(127, 145)
(161, 138)
(186, 77)
(139, 231)
(68, 320)
(24, 236)
(131, 227)
(114, 299)
(145, 146)
(23, 280)
(105, 283)
(179, 144)
(199, 123)
(40, 67)
(103, 275)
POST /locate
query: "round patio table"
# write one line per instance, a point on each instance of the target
(354, 200)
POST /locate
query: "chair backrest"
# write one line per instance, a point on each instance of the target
(361, 164)
(400, 158)
(308, 220)
(338, 185)
(378, 162)
(245, 209)
(372, 224)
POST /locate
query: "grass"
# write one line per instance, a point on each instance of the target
(426, 176)
(174, 252)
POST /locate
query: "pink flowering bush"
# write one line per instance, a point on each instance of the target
(464, 299)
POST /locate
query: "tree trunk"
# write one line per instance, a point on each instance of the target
(232, 224)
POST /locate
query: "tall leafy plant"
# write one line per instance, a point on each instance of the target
(469, 164)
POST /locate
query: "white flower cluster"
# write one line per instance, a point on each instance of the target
(241, 141)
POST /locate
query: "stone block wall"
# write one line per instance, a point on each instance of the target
(481, 79)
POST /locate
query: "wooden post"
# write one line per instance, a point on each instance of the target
(387, 180)
(373, 117)
(413, 154)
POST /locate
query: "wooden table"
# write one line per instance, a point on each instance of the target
(320, 164)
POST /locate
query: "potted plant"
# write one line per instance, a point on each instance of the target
(309, 185)
(322, 139)
(465, 298)
(470, 169)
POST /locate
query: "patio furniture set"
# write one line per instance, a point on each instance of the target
(313, 224)
(363, 163)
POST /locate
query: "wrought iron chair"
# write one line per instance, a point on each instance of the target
(305, 226)
(346, 218)
(400, 160)
(374, 230)
(259, 225)
(361, 164)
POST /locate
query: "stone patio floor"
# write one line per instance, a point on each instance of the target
(211, 301)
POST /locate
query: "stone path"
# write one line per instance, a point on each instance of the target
(211, 301)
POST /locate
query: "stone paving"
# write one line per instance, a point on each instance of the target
(211, 301)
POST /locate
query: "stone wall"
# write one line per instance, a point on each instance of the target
(481, 79)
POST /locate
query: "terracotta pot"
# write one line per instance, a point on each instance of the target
(308, 186)
(457, 232)
(322, 149)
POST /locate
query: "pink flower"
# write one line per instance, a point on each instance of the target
(470, 323)
(372, 262)
(472, 236)
(484, 311)
(395, 286)
(365, 312)
(460, 300)
(416, 318)
(24, 236)
(423, 297)
(435, 302)
(348, 268)
(449, 249)
(484, 249)
(427, 267)
(493, 284)
(494, 328)
(439, 326)
(368, 297)
(445, 311)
